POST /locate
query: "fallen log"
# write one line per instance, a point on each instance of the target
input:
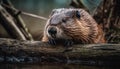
(19, 51)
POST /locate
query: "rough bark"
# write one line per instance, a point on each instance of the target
(17, 51)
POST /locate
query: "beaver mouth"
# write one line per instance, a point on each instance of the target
(53, 35)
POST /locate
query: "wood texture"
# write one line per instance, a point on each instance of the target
(36, 51)
(10, 25)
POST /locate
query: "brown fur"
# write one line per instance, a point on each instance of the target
(83, 30)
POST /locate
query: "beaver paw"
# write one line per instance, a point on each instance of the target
(52, 42)
(68, 43)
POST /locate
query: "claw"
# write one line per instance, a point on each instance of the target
(68, 43)
(52, 41)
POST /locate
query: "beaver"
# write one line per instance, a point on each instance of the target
(70, 26)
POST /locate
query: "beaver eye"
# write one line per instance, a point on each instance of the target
(64, 20)
(78, 14)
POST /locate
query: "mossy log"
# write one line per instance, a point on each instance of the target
(19, 51)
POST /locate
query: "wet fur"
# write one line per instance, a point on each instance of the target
(84, 30)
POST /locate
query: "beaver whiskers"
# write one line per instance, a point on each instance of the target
(72, 25)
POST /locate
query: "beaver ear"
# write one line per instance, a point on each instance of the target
(77, 14)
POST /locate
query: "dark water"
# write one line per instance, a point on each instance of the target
(51, 66)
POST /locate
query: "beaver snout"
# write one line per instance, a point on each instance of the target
(52, 31)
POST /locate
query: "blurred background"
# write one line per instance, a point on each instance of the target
(38, 7)
(105, 12)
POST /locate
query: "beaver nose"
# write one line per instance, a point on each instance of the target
(52, 31)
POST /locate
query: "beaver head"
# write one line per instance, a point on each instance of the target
(73, 24)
